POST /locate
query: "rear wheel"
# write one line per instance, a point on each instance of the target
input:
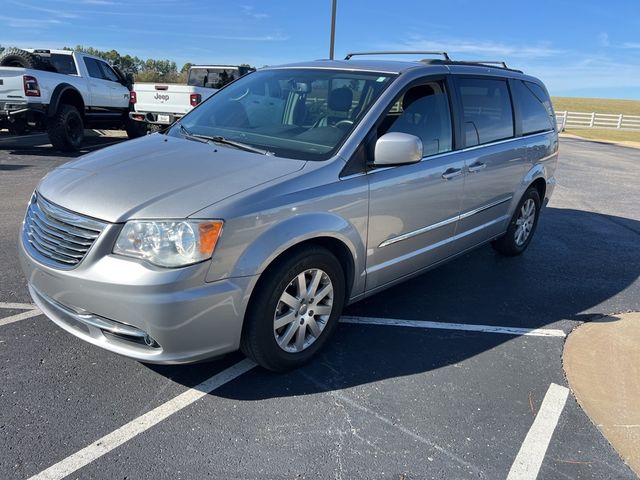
(135, 129)
(522, 226)
(295, 310)
(66, 129)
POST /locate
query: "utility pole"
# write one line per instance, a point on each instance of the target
(333, 29)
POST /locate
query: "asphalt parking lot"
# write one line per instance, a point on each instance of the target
(441, 377)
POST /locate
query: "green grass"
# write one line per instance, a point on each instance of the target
(602, 134)
(598, 105)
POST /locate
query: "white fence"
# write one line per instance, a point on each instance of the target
(597, 120)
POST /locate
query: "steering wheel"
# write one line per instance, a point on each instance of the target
(241, 96)
(346, 122)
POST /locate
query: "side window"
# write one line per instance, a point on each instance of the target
(93, 68)
(542, 95)
(423, 111)
(63, 63)
(487, 112)
(107, 72)
(535, 117)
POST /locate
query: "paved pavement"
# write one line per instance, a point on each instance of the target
(383, 401)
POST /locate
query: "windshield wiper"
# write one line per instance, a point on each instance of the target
(187, 134)
(224, 141)
(232, 143)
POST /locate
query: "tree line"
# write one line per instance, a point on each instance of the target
(149, 70)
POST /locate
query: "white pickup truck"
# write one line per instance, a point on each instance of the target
(163, 103)
(63, 92)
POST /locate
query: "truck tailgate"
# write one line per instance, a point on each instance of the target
(163, 98)
(11, 84)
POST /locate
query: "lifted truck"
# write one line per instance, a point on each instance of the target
(161, 104)
(63, 92)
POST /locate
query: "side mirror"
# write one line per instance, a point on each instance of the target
(397, 148)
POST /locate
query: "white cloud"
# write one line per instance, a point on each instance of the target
(631, 45)
(16, 22)
(249, 11)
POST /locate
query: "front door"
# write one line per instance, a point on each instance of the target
(413, 209)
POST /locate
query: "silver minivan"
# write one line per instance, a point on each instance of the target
(291, 192)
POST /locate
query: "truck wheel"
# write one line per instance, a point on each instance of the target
(135, 129)
(15, 57)
(295, 309)
(66, 129)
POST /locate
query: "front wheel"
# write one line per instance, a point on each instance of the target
(522, 226)
(295, 310)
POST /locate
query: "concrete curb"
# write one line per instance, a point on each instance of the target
(602, 363)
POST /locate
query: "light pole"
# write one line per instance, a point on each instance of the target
(333, 29)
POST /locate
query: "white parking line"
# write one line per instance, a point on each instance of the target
(17, 306)
(392, 322)
(139, 425)
(32, 311)
(529, 459)
(20, 316)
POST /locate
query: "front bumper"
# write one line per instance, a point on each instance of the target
(153, 315)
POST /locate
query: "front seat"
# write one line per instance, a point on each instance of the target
(420, 117)
(340, 101)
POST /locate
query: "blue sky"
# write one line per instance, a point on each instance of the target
(578, 48)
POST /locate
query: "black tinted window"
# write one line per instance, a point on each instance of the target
(423, 111)
(63, 63)
(107, 72)
(93, 68)
(487, 110)
(535, 117)
(542, 95)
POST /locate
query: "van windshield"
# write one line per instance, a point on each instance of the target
(298, 113)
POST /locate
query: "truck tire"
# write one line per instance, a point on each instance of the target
(135, 129)
(15, 57)
(66, 129)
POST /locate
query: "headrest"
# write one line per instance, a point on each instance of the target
(416, 93)
(340, 99)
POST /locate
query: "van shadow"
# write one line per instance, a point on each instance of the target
(577, 262)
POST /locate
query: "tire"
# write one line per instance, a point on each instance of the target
(15, 57)
(516, 240)
(259, 331)
(135, 129)
(66, 129)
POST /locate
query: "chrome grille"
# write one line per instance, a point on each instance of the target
(57, 237)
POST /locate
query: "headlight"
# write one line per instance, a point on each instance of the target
(169, 243)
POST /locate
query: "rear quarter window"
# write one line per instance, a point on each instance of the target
(536, 116)
(487, 111)
(63, 64)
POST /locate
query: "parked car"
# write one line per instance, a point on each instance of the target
(238, 229)
(162, 104)
(63, 92)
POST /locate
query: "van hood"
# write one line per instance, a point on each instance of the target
(158, 177)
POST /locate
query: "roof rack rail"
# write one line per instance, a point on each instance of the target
(445, 55)
(486, 62)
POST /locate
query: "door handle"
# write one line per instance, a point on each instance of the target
(476, 167)
(450, 173)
